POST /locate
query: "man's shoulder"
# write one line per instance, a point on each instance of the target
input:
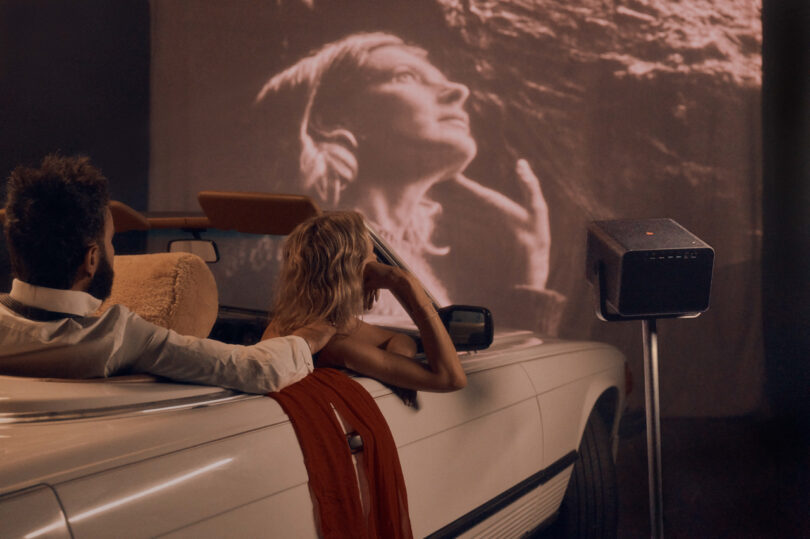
(122, 321)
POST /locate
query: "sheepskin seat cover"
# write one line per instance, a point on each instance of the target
(173, 290)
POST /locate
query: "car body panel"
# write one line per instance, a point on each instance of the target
(87, 446)
(267, 517)
(194, 457)
(470, 463)
(157, 495)
(531, 510)
(45, 398)
(33, 513)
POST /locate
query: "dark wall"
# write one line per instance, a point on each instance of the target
(74, 77)
(786, 215)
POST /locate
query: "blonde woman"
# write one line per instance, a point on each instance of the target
(330, 275)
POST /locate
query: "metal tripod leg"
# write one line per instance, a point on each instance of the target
(650, 337)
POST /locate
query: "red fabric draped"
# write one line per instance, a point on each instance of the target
(332, 478)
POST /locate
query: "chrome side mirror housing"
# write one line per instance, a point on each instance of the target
(470, 327)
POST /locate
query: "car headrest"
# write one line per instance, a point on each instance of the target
(173, 290)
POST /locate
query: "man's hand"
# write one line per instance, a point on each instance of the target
(317, 334)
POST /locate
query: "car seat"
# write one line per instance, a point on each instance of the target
(173, 290)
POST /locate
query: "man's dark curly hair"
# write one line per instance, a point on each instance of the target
(53, 215)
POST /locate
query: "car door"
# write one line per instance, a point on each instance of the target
(147, 459)
(34, 512)
(462, 450)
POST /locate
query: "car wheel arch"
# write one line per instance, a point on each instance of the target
(607, 400)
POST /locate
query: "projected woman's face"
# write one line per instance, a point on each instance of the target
(411, 115)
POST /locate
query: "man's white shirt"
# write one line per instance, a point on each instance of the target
(121, 342)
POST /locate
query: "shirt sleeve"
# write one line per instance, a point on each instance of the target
(264, 367)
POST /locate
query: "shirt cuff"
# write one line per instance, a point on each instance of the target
(300, 348)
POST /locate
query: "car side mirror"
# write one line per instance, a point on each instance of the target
(470, 327)
(205, 249)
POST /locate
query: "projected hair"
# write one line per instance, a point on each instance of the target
(321, 278)
(329, 78)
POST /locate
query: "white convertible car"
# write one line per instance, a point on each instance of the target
(527, 447)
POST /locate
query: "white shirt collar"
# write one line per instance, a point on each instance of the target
(54, 299)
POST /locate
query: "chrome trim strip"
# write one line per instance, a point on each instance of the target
(125, 410)
(486, 510)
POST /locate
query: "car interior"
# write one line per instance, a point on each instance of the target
(177, 289)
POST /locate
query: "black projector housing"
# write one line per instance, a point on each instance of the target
(648, 268)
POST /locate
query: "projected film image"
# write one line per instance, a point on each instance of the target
(479, 139)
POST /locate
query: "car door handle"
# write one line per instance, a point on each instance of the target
(355, 442)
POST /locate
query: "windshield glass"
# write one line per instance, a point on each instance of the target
(249, 265)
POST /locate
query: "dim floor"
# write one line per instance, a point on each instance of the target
(732, 477)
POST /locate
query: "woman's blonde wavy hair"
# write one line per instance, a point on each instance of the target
(328, 78)
(321, 277)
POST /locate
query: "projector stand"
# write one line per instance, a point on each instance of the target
(650, 336)
(651, 407)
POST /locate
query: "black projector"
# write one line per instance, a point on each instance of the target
(648, 268)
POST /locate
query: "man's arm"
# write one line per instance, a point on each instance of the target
(264, 367)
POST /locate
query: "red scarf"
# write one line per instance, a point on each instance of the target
(332, 478)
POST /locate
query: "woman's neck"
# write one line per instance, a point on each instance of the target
(392, 209)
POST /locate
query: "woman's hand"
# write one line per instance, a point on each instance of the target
(387, 356)
(377, 276)
(530, 224)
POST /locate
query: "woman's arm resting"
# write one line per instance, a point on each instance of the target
(385, 339)
(444, 366)
(391, 368)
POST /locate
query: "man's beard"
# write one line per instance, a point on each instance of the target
(101, 284)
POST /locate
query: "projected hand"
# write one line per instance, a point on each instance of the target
(530, 224)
